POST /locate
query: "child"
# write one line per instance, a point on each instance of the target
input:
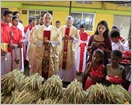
(115, 72)
(94, 67)
(116, 43)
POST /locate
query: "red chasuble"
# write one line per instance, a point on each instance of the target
(83, 37)
(65, 49)
(17, 35)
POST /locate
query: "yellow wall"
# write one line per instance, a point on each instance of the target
(106, 17)
(59, 15)
(103, 11)
(23, 17)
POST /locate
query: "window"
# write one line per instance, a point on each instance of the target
(123, 23)
(84, 2)
(84, 18)
(37, 13)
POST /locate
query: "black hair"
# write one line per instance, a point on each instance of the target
(6, 12)
(117, 53)
(82, 26)
(115, 34)
(115, 27)
(106, 33)
(57, 21)
(14, 17)
(101, 53)
(42, 15)
(15, 12)
(32, 18)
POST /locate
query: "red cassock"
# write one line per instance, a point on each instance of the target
(17, 35)
(6, 32)
(16, 53)
(27, 27)
(83, 37)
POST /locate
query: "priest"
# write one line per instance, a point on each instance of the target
(70, 43)
(46, 38)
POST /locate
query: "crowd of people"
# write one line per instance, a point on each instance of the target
(64, 50)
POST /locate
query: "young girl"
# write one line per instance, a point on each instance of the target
(115, 72)
(100, 39)
(95, 70)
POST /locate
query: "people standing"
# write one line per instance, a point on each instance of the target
(5, 38)
(16, 40)
(116, 43)
(21, 27)
(101, 40)
(82, 50)
(70, 43)
(46, 38)
(27, 29)
(95, 70)
(114, 70)
(57, 24)
(41, 20)
(32, 46)
(17, 14)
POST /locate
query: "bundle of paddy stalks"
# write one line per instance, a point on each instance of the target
(33, 82)
(36, 81)
(19, 76)
(120, 94)
(23, 97)
(98, 94)
(51, 88)
(8, 83)
(6, 99)
(49, 101)
(24, 84)
(74, 93)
